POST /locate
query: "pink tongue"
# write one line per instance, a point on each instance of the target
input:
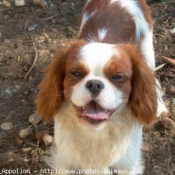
(94, 111)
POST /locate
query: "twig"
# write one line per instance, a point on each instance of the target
(167, 20)
(32, 144)
(36, 56)
(3, 141)
(48, 18)
(25, 26)
(20, 124)
(2, 56)
(167, 5)
(47, 36)
(159, 67)
(169, 60)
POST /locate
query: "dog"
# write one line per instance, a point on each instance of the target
(101, 90)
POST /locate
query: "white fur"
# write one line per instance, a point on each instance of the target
(96, 55)
(86, 16)
(110, 98)
(148, 49)
(140, 22)
(88, 1)
(102, 33)
(80, 148)
(161, 106)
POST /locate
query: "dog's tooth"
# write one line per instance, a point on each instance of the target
(106, 110)
(83, 108)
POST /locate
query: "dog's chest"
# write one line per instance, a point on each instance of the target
(100, 152)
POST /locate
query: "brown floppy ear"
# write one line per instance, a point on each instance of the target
(50, 96)
(51, 91)
(143, 99)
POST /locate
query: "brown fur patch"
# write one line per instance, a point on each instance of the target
(137, 83)
(120, 66)
(118, 22)
(143, 99)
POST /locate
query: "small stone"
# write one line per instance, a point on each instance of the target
(145, 148)
(35, 159)
(41, 3)
(0, 34)
(19, 141)
(167, 123)
(34, 119)
(31, 78)
(6, 41)
(42, 38)
(6, 3)
(170, 89)
(161, 139)
(6, 126)
(19, 3)
(167, 103)
(26, 160)
(24, 100)
(26, 149)
(62, 44)
(26, 93)
(47, 139)
(32, 27)
(25, 132)
(3, 135)
(172, 30)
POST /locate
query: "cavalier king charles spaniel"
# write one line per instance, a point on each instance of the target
(101, 89)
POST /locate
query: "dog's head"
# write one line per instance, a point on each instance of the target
(98, 79)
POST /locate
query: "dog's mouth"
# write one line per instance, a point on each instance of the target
(93, 113)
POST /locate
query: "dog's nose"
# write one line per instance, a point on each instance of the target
(95, 87)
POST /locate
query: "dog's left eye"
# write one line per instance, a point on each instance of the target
(116, 77)
(119, 78)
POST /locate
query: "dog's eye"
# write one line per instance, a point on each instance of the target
(116, 77)
(77, 74)
(119, 78)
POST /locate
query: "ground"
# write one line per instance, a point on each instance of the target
(29, 37)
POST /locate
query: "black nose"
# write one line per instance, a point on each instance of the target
(95, 87)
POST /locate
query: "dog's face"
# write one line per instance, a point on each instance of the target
(97, 82)
(98, 79)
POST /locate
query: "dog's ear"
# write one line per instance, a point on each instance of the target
(143, 99)
(50, 96)
(51, 90)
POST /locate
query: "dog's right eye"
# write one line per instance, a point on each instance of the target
(120, 78)
(77, 74)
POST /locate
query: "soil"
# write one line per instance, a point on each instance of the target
(29, 37)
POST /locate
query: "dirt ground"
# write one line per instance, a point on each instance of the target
(29, 35)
